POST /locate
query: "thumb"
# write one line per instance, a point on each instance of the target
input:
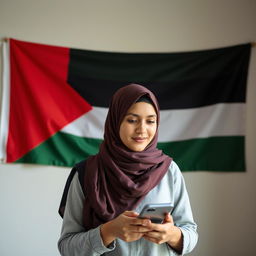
(131, 214)
(168, 218)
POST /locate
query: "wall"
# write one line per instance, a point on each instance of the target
(223, 203)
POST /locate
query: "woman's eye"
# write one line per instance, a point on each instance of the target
(131, 121)
(151, 121)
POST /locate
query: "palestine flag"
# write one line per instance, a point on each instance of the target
(55, 101)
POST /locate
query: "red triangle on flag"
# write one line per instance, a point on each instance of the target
(41, 100)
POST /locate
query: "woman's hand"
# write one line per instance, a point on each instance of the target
(165, 233)
(126, 227)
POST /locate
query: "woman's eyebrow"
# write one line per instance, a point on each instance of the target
(136, 115)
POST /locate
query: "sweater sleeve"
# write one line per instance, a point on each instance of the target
(74, 240)
(182, 213)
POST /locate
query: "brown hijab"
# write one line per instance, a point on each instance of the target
(117, 179)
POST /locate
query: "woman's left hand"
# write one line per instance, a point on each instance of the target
(165, 233)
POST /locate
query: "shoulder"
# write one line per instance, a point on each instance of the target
(174, 172)
(80, 165)
(174, 168)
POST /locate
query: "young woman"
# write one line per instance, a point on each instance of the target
(105, 193)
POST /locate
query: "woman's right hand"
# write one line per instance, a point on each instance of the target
(126, 227)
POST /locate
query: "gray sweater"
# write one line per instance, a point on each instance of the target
(75, 241)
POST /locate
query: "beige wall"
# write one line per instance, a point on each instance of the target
(224, 203)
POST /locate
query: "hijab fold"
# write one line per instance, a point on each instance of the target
(117, 179)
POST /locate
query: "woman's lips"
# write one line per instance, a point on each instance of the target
(139, 139)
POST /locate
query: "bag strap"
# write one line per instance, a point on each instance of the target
(80, 168)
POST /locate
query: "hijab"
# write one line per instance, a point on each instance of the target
(117, 179)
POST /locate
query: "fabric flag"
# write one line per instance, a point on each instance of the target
(55, 101)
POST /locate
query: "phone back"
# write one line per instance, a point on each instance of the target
(156, 212)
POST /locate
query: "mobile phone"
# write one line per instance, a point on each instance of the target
(156, 212)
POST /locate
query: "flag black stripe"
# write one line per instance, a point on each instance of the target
(179, 80)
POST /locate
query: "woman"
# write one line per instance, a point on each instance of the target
(107, 191)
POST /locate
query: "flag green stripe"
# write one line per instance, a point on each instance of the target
(212, 154)
(208, 154)
(62, 150)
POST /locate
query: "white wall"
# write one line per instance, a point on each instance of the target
(224, 203)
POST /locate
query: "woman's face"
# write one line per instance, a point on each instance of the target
(139, 126)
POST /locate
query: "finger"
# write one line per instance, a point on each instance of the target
(152, 234)
(160, 228)
(142, 222)
(133, 220)
(152, 239)
(168, 218)
(131, 214)
(139, 229)
(156, 227)
(148, 238)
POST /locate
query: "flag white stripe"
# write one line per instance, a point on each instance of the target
(215, 120)
(4, 121)
(90, 125)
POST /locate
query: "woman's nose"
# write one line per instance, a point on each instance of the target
(141, 127)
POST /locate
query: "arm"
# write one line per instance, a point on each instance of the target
(74, 239)
(182, 213)
(178, 230)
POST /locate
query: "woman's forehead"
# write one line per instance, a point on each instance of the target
(142, 108)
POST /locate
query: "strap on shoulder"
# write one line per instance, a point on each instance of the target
(80, 168)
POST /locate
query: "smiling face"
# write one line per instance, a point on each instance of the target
(139, 126)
